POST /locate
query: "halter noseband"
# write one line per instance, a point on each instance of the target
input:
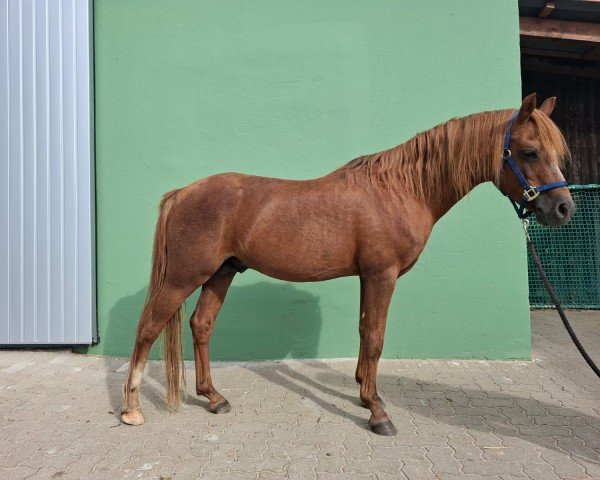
(529, 193)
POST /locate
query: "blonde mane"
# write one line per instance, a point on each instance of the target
(460, 153)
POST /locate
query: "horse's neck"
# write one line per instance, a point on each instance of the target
(445, 195)
(461, 154)
(441, 201)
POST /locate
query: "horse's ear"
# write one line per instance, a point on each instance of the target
(527, 108)
(548, 106)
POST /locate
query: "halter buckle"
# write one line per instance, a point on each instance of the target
(530, 194)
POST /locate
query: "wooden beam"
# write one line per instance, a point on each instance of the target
(574, 32)
(591, 54)
(541, 64)
(547, 10)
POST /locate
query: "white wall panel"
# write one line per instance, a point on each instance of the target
(47, 250)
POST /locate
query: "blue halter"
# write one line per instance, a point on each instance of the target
(529, 193)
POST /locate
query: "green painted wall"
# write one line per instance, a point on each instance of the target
(185, 89)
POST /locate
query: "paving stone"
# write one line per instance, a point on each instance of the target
(539, 471)
(274, 465)
(464, 448)
(543, 431)
(346, 476)
(419, 440)
(302, 419)
(399, 453)
(419, 470)
(512, 454)
(301, 469)
(356, 446)
(578, 449)
(564, 466)
(443, 461)
(216, 476)
(592, 468)
(370, 466)
(290, 450)
(485, 437)
(389, 476)
(474, 477)
(492, 467)
(18, 473)
(21, 455)
(589, 435)
(329, 463)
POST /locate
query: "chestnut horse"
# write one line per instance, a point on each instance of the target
(371, 218)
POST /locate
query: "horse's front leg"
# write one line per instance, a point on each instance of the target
(376, 294)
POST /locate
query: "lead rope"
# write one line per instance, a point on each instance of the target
(549, 289)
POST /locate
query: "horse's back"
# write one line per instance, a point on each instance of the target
(226, 204)
(284, 228)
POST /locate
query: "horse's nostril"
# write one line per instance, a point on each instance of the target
(562, 210)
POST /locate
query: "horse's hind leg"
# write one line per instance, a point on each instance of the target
(202, 323)
(376, 294)
(154, 319)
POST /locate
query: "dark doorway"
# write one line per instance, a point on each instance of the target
(560, 56)
(577, 110)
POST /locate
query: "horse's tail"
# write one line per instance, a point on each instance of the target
(173, 347)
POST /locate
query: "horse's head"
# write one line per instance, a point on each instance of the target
(539, 150)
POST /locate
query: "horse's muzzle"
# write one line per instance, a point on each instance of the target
(554, 212)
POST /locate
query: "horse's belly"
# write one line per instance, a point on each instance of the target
(292, 272)
(299, 263)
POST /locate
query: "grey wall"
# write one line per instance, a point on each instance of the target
(46, 176)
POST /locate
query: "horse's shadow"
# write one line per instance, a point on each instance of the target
(246, 326)
(331, 382)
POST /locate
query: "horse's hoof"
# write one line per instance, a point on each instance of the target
(223, 407)
(133, 417)
(386, 429)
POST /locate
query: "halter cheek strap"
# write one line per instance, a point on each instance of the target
(529, 193)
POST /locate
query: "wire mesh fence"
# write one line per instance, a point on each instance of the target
(570, 255)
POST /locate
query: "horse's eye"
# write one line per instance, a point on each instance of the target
(530, 154)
